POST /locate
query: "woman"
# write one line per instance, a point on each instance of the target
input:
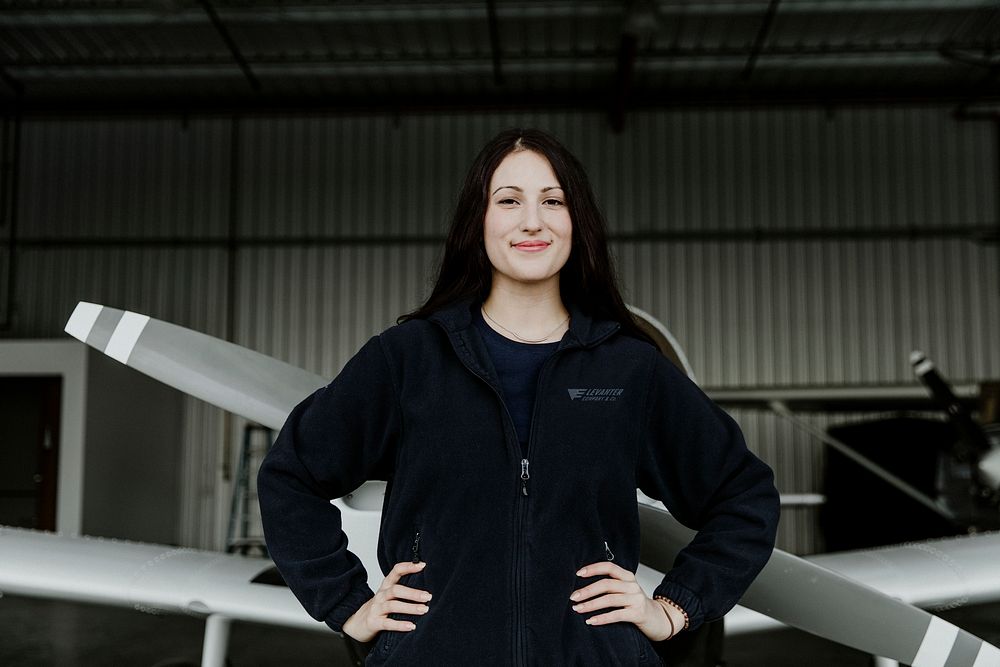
(513, 416)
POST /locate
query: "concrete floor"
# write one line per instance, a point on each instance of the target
(49, 633)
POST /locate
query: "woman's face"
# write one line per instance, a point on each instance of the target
(527, 230)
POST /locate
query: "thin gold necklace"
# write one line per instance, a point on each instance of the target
(524, 340)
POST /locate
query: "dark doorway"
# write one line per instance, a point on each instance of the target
(29, 450)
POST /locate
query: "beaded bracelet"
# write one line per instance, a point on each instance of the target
(676, 606)
(673, 628)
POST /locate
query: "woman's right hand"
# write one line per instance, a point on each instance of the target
(391, 597)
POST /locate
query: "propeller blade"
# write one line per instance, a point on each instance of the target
(229, 376)
(812, 598)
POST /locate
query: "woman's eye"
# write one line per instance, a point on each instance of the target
(507, 201)
(554, 202)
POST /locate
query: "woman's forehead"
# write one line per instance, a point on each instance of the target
(524, 167)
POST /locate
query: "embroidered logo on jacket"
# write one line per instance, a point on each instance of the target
(607, 394)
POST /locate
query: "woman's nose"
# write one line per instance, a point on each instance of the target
(531, 221)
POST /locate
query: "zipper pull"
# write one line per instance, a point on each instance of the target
(524, 476)
(607, 552)
(416, 548)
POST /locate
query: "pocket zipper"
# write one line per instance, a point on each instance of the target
(633, 631)
(416, 547)
(391, 635)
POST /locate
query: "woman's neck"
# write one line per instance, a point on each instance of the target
(531, 314)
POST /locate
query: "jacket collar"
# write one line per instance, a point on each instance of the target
(583, 329)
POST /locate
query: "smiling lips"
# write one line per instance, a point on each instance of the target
(531, 246)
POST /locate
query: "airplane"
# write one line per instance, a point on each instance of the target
(865, 599)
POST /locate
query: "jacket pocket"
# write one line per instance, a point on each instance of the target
(412, 579)
(636, 641)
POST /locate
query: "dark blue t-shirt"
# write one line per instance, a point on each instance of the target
(518, 365)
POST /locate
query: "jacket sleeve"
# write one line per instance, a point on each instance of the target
(334, 440)
(693, 458)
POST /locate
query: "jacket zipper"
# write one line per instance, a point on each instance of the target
(518, 613)
(523, 501)
(520, 649)
(519, 643)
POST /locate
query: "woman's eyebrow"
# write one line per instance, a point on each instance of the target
(514, 187)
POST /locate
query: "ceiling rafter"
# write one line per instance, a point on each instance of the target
(760, 39)
(55, 12)
(308, 49)
(892, 53)
(491, 7)
(234, 50)
(16, 86)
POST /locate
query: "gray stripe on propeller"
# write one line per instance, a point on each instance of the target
(989, 656)
(228, 376)
(104, 326)
(964, 652)
(938, 641)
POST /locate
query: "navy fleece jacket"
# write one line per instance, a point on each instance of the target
(502, 533)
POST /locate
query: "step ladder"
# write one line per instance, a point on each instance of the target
(257, 441)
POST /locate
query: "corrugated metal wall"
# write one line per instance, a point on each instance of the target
(8, 141)
(337, 221)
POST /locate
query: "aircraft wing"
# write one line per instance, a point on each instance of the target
(789, 589)
(908, 397)
(146, 577)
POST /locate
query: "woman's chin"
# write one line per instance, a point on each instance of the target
(532, 279)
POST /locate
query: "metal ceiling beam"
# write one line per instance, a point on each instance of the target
(220, 27)
(56, 13)
(817, 97)
(16, 86)
(964, 57)
(639, 18)
(761, 39)
(823, 6)
(625, 71)
(640, 22)
(406, 12)
(975, 233)
(460, 67)
(491, 11)
(830, 53)
(981, 91)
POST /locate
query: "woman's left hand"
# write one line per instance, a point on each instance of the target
(621, 591)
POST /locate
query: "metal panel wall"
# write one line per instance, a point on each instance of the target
(186, 286)
(8, 141)
(804, 312)
(804, 169)
(846, 308)
(315, 307)
(124, 178)
(884, 169)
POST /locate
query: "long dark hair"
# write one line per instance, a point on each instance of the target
(588, 278)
